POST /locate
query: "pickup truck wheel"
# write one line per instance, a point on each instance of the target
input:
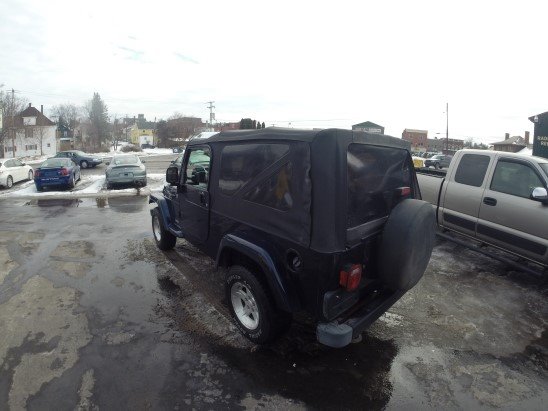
(251, 308)
(163, 238)
(406, 245)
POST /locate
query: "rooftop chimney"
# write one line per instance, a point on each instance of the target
(30, 105)
(42, 108)
(506, 136)
(527, 138)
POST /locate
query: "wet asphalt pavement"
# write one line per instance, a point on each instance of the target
(93, 316)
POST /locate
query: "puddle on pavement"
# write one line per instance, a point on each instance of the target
(123, 204)
(295, 366)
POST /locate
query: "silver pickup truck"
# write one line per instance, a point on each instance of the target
(497, 198)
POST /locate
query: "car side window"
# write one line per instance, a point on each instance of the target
(241, 163)
(515, 178)
(17, 163)
(8, 163)
(197, 167)
(472, 169)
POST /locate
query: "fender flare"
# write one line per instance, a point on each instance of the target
(164, 210)
(278, 286)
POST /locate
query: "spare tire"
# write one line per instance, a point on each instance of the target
(406, 245)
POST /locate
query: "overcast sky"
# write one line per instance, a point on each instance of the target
(308, 63)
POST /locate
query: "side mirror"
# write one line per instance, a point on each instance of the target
(23, 164)
(540, 194)
(172, 175)
(143, 161)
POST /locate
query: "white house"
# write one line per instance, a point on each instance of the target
(34, 135)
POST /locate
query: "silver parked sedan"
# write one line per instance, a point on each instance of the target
(126, 169)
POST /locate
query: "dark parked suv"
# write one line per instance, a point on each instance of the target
(328, 222)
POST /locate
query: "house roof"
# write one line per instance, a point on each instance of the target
(41, 120)
(532, 118)
(516, 141)
(412, 130)
(367, 124)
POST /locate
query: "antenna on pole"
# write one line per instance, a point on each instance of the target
(211, 113)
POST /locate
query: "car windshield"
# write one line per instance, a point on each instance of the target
(79, 153)
(56, 162)
(126, 160)
(544, 167)
(436, 157)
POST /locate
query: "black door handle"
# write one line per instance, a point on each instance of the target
(489, 201)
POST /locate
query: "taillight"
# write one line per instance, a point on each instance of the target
(64, 172)
(403, 191)
(350, 277)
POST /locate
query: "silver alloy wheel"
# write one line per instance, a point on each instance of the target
(31, 174)
(156, 228)
(244, 305)
(84, 164)
(9, 182)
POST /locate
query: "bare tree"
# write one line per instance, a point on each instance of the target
(67, 116)
(97, 112)
(10, 105)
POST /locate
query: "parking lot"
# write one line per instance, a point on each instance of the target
(94, 316)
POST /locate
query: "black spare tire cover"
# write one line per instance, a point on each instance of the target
(406, 245)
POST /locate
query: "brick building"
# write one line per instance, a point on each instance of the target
(417, 138)
(442, 145)
(512, 144)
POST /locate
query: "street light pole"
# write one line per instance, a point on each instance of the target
(447, 128)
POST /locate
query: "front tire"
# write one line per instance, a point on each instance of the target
(163, 238)
(84, 164)
(251, 308)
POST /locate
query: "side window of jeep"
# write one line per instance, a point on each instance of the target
(197, 168)
(241, 163)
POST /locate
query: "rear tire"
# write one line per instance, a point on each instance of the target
(72, 182)
(84, 164)
(9, 182)
(251, 308)
(31, 175)
(163, 238)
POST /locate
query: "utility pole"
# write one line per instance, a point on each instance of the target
(12, 123)
(211, 113)
(447, 128)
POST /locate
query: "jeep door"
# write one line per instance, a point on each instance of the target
(508, 217)
(194, 194)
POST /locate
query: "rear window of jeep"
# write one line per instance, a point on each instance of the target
(373, 175)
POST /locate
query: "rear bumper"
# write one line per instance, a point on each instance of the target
(135, 180)
(339, 333)
(52, 181)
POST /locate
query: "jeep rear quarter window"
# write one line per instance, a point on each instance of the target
(373, 174)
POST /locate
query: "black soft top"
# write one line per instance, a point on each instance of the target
(311, 136)
(319, 158)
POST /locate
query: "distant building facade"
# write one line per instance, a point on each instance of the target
(512, 144)
(142, 131)
(34, 135)
(443, 145)
(368, 127)
(540, 136)
(417, 138)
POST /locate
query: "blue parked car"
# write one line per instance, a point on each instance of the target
(56, 172)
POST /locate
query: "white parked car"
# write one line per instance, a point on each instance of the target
(12, 171)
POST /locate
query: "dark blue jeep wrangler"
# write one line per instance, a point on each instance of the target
(329, 222)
